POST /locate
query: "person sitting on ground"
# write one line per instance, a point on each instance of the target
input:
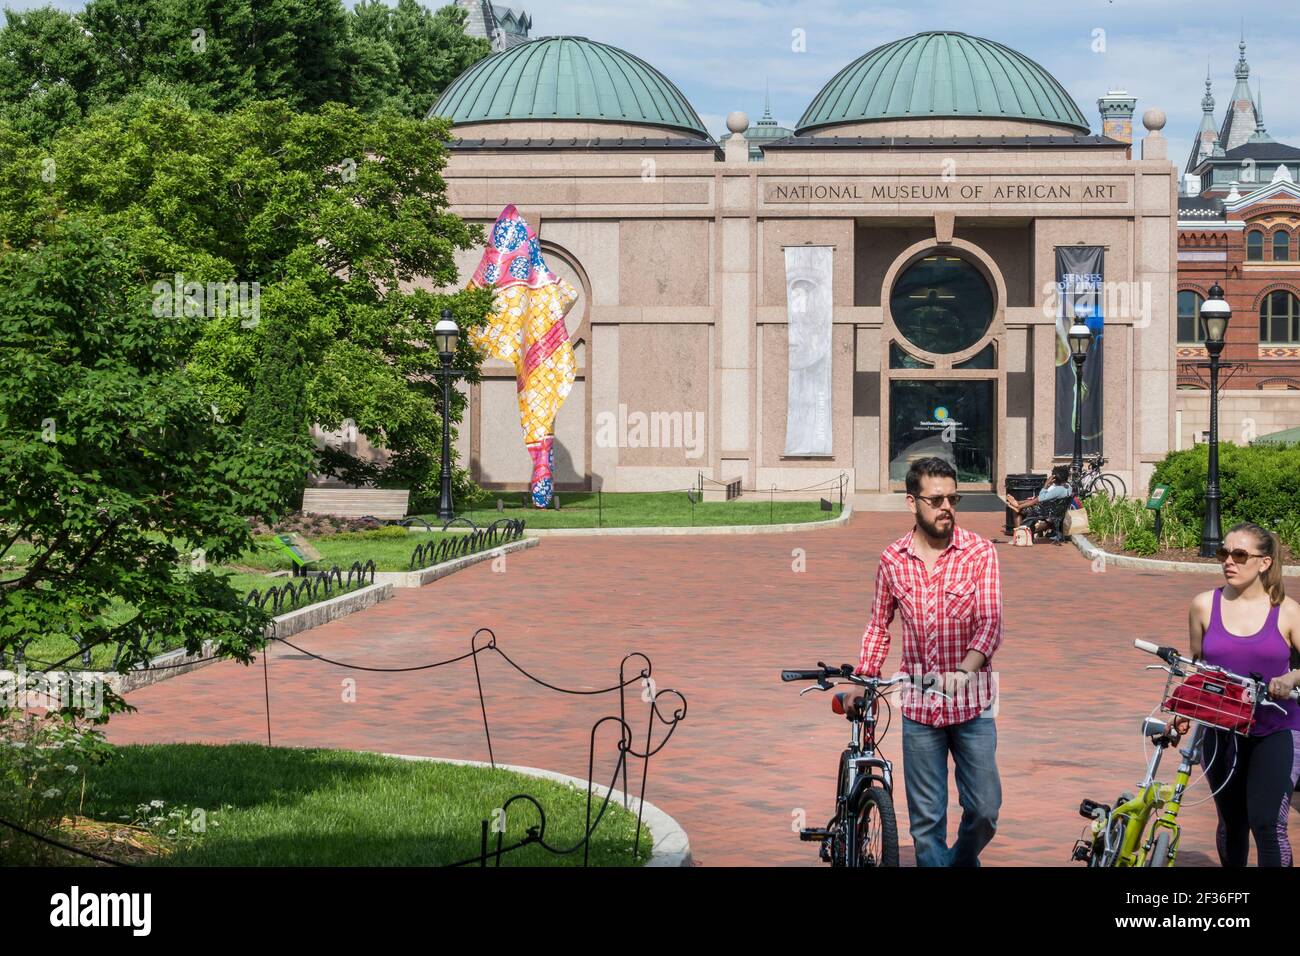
(1058, 486)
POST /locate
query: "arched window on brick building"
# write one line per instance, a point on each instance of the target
(1279, 318)
(1254, 246)
(1281, 246)
(1191, 330)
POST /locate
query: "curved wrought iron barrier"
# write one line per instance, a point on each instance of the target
(499, 532)
(314, 587)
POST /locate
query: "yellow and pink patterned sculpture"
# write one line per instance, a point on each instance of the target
(526, 328)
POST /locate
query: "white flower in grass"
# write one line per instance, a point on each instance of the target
(51, 793)
(71, 768)
(155, 803)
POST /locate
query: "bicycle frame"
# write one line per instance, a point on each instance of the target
(1153, 798)
(861, 767)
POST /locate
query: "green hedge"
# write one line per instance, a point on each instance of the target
(1259, 483)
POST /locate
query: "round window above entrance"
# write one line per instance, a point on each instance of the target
(942, 304)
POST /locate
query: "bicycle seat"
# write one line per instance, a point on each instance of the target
(852, 709)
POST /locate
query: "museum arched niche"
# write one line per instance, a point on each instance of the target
(942, 306)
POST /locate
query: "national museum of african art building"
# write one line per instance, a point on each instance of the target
(887, 280)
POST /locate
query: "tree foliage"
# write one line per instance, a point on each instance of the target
(339, 218)
(113, 466)
(57, 66)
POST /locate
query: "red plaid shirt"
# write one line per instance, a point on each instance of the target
(957, 608)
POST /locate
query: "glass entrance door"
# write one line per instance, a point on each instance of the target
(947, 418)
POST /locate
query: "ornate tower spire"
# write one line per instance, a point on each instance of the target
(1240, 122)
(1261, 134)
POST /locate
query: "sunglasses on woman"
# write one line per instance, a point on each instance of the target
(1238, 555)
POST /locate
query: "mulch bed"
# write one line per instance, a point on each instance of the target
(1113, 545)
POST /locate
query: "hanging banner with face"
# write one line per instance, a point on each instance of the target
(808, 309)
(1079, 278)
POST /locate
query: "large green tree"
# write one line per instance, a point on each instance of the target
(113, 466)
(56, 66)
(339, 218)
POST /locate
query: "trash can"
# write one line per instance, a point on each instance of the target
(1020, 487)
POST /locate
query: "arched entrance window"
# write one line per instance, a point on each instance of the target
(943, 381)
(942, 303)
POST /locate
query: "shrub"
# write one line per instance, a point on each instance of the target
(43, 760)
(1141, 541)
(1259, 483)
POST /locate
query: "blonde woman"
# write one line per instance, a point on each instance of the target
(1250, 626)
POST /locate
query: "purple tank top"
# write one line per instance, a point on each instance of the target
(1266, 652)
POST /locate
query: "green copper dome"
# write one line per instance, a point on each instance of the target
(942, 74)
(567, 78)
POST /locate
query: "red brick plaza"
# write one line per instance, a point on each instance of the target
(720, 616)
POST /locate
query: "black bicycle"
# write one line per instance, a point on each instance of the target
(863, 831)
(1095, 481)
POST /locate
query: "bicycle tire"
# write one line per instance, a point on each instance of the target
(839, 824)
(1160, 850)
(1118, 483)
(875, 815)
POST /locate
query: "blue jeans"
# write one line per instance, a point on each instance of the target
(974, 747)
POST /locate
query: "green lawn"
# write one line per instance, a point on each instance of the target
(390, 549)
(297, 807)
(653, 509)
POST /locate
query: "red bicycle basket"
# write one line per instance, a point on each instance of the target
(1214, 701)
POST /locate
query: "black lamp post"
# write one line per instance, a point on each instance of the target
(445, 334)
(1080, 337)
(1215, 313)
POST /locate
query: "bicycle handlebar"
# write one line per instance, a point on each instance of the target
(1172, 658)
(845, 673)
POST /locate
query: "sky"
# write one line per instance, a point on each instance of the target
(722, 53)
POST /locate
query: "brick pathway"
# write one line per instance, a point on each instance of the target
(719, 616)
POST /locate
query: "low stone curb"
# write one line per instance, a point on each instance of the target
(786, 528)
(179, 661)
(423, 576)
(669, 843)
(1092, 552)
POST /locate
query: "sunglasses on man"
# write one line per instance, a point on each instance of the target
(1238, 555)
(936, 501)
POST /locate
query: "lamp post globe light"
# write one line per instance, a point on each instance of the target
(446, 334)
(1080, 339)
(1215, 312)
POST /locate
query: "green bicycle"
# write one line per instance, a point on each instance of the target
(1143, 830)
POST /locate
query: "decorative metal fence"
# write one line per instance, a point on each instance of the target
(299, 592)
(499, 532)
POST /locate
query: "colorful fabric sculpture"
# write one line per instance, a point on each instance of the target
(526, 328)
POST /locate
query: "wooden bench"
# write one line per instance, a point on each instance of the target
(387, 503)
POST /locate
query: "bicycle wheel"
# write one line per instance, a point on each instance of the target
(1117, 485)
(1160, 855)
(840, 823)
(876, 829)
